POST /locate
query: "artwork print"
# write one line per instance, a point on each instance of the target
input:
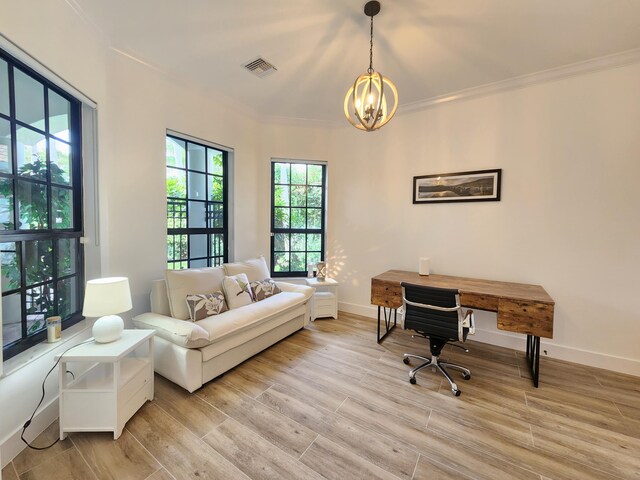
(475, 186)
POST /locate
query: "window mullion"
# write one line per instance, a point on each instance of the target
(14, 146)
(23, 288)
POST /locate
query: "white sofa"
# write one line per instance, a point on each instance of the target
(193, 353)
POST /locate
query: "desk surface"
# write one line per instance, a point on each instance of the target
(521, 308)
(474, 286)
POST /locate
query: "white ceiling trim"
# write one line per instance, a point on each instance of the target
(205, 92)
(304, 122)
(13, 49)
(77, 9)
(615, 60)
(581, 68)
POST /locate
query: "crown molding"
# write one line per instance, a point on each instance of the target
(205, 92)
(92, 25)
(302, 122)
(35, 64)
(615, 60)
(607, 62)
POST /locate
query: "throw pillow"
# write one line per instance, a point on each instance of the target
(181, 283)
(237, 291)
(255, 268)
(204, 305)
(264, 289)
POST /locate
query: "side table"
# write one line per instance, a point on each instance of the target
(325, 300)
(116, 384)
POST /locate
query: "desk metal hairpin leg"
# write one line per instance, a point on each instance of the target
(387, 321)
(533, 357)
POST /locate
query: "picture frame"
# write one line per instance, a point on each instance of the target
(472, 186)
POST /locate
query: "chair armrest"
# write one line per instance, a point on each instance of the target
(469, 322)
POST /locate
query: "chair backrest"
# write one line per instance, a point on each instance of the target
(423, 311)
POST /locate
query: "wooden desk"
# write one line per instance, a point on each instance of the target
(521, 308)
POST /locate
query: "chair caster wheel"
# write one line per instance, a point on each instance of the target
(456, 392)
(405, 360)
(466, 376)
(412, 380)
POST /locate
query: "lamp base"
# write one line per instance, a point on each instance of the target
(107, 329)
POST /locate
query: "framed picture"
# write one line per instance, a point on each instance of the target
(476, 186)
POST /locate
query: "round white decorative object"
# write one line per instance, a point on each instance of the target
(107, 329)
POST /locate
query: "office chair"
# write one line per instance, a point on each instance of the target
(435, 313)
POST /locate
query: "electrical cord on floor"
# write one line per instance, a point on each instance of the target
(28, 422)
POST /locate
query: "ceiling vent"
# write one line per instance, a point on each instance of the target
(260, 67)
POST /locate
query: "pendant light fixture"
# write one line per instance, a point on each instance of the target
(372, 99)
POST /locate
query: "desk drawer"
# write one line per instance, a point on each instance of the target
(530, 318)
(481, 302)
(386, 294)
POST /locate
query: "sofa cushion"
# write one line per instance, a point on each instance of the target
(264, 289)
(237, 291)
(185, 334)
(249, 316)
(265, 329)
(181, 283)
(205, 305)
(256, 269)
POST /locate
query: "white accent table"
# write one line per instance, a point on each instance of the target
(112, 389)
(325, 301)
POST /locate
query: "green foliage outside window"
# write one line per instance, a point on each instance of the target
(298, 225)
(34, 215)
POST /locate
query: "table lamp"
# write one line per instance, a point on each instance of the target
(104, 298)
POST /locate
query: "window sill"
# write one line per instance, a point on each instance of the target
(296, 280)
(25, 358)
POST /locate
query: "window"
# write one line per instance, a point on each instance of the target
(40, 205)
(197, 208)
(297, 216)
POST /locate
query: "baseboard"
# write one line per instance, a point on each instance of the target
(518, 342)
(12, 445)
(364, 310)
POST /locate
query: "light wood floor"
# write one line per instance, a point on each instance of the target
(329, 402)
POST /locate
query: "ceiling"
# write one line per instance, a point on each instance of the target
(428, 48)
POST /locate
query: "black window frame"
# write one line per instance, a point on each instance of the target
(21, 236)
(207, 230)
(306, 231)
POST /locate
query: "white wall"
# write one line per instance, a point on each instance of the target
(142, 105)
(136, 105)
(568, 220)
(290, 142)
(48, 32)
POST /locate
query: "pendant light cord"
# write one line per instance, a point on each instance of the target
(370, 70)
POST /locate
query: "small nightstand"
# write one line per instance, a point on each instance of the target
(325, 301)
(117, 383)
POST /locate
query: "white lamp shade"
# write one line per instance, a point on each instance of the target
(107, 296)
